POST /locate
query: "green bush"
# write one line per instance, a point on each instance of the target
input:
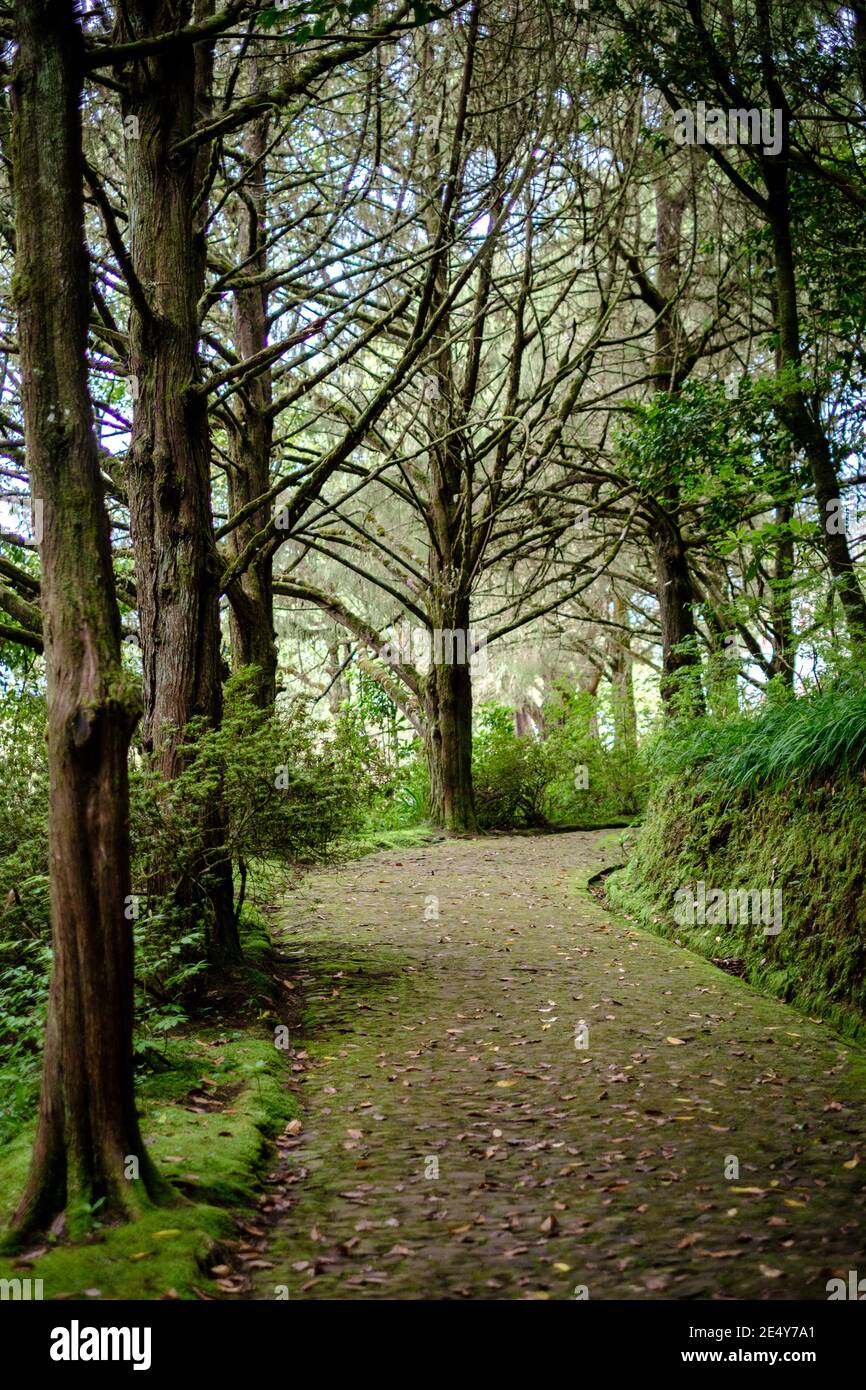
(571, 777)
(25, 953)
(404, 798)
(592, 780)
(293, 788)
(510, 774)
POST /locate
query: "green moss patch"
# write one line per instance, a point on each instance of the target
(404, 837)
(806, 841)
(207, 1119)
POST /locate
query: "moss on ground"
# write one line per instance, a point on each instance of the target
(806, 840)
(372, 841)
(207, 1120)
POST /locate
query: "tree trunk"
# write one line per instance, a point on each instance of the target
(448, 687)
(168, 475)
(681, 662)
(624, 709)
(522, 721)
(804, 425)
(88, 1144)
(251, 620)
(335, 670)
(781, 617)
(448, 745)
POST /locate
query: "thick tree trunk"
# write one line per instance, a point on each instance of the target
(251, 620)
(448, 686)
(681, 662)
(88, 1144)
(448, 746)
(168, 475)
(251, 623)
(804, 425)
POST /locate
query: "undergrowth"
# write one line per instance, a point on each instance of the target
(774, 802)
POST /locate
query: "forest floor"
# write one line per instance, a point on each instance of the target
(456, 1141)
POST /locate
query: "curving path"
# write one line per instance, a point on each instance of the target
(457, 1143)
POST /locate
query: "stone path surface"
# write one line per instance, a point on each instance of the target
(459, 1141)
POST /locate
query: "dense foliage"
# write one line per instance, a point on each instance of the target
(295, 788)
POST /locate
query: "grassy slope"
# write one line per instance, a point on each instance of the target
(807, 839)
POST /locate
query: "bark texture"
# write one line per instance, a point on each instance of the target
(801, 419)
(674, 590)
(87, 1130)
(168, 476)
(251, 619)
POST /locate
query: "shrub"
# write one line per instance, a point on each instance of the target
(404, 798)
(292, 788)
(569, 778)
(25, 953)
(590, 780)
(510, 774)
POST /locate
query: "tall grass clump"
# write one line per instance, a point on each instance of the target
(808, 737)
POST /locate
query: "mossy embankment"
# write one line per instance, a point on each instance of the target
(208, 1115)
(806, 840)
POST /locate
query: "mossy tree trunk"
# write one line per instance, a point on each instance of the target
(681, 662)
(800, 416)
(680, 685)
(251, 619)
(168, 474)
(447, 700)
(88, 1145)
(448, 734)
(448, 686)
